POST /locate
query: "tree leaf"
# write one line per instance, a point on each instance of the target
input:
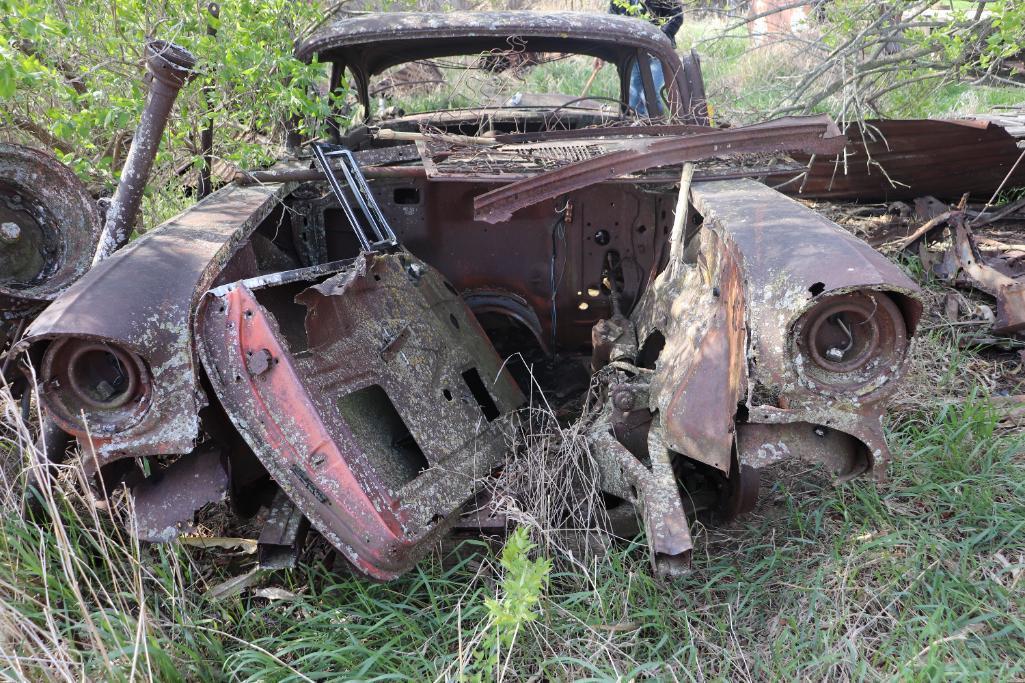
(8, 81)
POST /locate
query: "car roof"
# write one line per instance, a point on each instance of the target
(373, 42)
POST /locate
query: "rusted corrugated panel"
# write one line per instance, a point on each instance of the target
(141, 300)
(906, 159)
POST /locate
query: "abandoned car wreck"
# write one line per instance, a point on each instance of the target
(342, 337)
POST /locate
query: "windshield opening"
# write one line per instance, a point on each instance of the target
(496, 79)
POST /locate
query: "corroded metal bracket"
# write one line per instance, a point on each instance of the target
(651, 487)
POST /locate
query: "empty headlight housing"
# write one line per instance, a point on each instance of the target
(850, 344)
(109, 385)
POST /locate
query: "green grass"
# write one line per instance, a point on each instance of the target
(919, 578)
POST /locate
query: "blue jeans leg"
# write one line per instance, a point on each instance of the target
(637, 100)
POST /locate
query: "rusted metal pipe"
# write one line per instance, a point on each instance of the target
(169, 67)
(302, 175)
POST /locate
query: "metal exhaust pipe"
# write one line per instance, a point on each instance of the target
(169, 68)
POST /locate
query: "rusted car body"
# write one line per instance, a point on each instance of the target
(360, 345)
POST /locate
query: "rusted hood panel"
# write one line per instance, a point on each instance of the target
(142, 299)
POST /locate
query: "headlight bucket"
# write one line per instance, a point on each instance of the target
(110, 385)
(850, 344)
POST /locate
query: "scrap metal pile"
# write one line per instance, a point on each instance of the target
(341, 340)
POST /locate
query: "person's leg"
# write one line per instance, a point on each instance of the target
(659, 80)
(637, 101)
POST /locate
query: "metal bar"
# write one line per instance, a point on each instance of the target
(354, 186)
(606, 132)
(383, 172)
(364, 190)
(357, 184)
(311, 174)
(816, 134)
(332, 180)
(650, 96)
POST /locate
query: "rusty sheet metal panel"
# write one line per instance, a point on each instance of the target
(381, 419)
(813, 134)
(556, 249)
(48, 229)
(829, 318)
(701, 374)
(135, 309)
(907, 159)
(166, 501)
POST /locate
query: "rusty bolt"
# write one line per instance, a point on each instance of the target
(258, 362)
(9, 232)
(624, 400)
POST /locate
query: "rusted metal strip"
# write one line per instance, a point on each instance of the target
(303, 175)
(657, 130)
(816, 134)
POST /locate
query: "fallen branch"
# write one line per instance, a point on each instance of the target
(926, 228)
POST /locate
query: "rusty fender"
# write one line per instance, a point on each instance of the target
(375, 404)
(783, 314)
(117, 345)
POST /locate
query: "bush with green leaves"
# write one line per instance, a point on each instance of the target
(72, 80)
